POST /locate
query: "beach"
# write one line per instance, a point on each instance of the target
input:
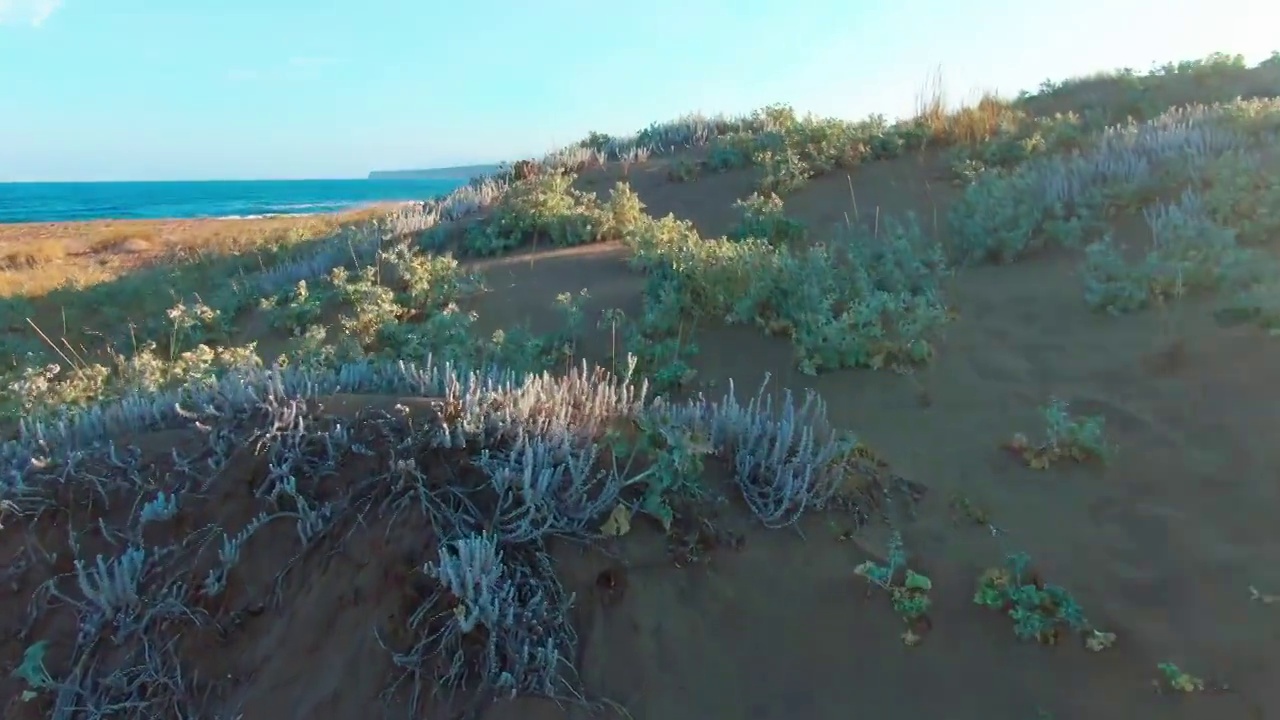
(35, 257)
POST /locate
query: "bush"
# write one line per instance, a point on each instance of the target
(763, 217)
(855, 302)
(1040, 611)
(1189, 253)
(547, 209)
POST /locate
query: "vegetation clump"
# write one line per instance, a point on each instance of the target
(1178, 680)
(1067, 437)
(908, 589)
(548, 209)
(763, 217)
(674, 454)
(1190, 254)
(857, 301)
(1040, 611)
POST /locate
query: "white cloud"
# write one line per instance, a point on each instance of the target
(27, 12)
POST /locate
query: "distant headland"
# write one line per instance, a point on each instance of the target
(462, 172)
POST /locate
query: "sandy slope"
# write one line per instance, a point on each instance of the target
(1161, 546)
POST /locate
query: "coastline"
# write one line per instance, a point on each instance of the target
(35, 257)
(350, 209)
(32, 203)
(353, 208)
(9, 229)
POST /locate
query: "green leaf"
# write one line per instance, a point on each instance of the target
(916, 581)
(656, 507)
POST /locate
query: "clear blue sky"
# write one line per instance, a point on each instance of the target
(195, 89)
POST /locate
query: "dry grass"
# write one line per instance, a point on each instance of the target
(969, 123)
(38, 257)
(34, 254)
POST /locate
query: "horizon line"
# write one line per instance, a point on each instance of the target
(364, 177)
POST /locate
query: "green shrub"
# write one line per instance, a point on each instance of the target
(855, 302)
(1240, 193)
(296, 309)
(1067, 437)
(763, 217)
(1040, 611)
(1189, 253)
(548, 210)
(907, 588)
(684, 171)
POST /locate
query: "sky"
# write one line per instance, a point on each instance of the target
(249, 89)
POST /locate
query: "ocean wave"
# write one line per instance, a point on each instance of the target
(71, 202)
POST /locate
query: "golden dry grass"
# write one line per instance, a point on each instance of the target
(967, 124)
(31, 255)
(38, 257)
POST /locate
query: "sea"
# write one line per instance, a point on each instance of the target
(73, 201)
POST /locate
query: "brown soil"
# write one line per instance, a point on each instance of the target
(1160, 546)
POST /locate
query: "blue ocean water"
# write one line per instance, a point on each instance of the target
(58, 202)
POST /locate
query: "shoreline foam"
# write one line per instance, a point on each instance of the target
(34, 203)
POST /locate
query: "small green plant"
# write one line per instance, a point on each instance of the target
(964, 510)
(1080, 439)
(32, 670)
(730, 152)
(682, 171)
(614, 320)
(294, 310)
(1040, 611)
(674, 454)
(908, 589)
(522, 350)
(194, 323)
(370, 305)
(763, 217)
(570, 306)
(426, 283)
(661, 339)
(784, 171)
(1174, 678)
